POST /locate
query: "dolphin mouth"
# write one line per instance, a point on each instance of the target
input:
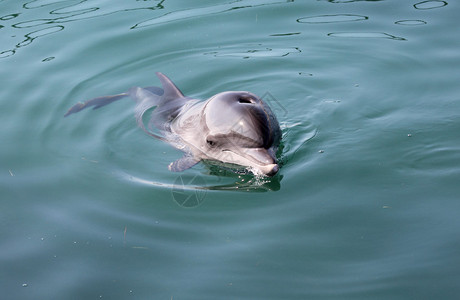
(269, 170)
(274, 169)
(260, 159)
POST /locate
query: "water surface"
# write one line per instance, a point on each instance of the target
(364, 206)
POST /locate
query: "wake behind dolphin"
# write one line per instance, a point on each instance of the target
(233, 127)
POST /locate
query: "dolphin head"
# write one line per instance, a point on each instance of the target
(241, 130)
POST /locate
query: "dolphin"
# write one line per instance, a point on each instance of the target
(234, 127)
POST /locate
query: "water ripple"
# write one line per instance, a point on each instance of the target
(42, 3)
(367, 35)
(339, 18)
(30, 37)
(410, 22)
(9, 17)
(285, 34)
(430, 4)
(7, 53)
(195, 187)
(350, 1)
(203, 11)
(78, 10)
(42, 32)
(254, 51)
(68, 11)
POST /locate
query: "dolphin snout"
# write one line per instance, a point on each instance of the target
(262, 159)
(272, 169)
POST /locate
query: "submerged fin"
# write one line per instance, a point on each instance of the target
(96, 102)
(184, 163)
(145, 98)
(170, 89)
(104, 100)
(155, 90)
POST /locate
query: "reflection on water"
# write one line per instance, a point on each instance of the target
(410, 22)
(8, 17)
(48, 59)
(250, 51)
(367, 35)
(83, 10)
(62, 12)
(71, 11)
(349, 1)
(190, 191)
(285, 34)
(369, 140)
(340, 18)
(332, 18)
(204, 11)
(30, 37)
(430, 4)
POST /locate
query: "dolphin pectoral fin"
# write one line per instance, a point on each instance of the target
(96, 102)
(184, 163)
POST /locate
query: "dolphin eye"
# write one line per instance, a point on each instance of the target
(210, 142)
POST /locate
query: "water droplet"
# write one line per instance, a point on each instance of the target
(321, 151)
(25, 285)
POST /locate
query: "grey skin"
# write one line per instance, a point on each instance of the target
(233, 127)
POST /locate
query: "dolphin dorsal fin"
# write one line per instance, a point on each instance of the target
(170, 89)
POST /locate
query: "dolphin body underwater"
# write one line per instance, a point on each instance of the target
(234, 127)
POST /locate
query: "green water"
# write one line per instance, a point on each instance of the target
(365, 206)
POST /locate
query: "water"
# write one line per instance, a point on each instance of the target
(365, 205)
